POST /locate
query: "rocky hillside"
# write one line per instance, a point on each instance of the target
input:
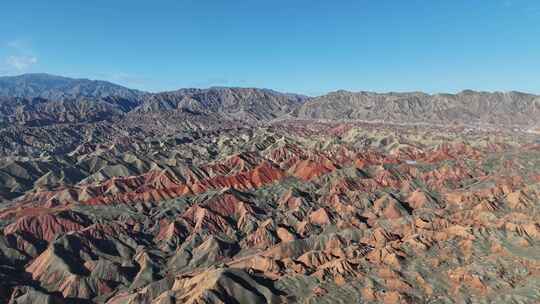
(37, 112)
(467, 107)
(239, 103)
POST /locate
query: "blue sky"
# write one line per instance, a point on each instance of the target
(305, 46)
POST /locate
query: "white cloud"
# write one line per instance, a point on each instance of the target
(21, 63)
(20, 57)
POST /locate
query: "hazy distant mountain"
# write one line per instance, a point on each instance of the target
(58, 87)
(466, 107)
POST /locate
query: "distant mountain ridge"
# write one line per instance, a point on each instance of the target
(466, 107)
(61, 99)
(42, 99)
(59, 87)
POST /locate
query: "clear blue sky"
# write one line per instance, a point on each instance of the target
(305, 46)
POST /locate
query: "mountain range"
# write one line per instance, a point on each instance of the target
(64, 99)
(245, 195)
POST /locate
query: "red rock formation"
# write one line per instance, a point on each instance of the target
(47, 226)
